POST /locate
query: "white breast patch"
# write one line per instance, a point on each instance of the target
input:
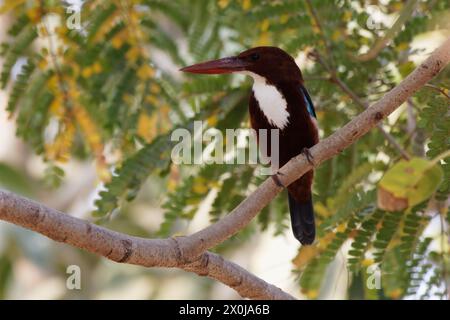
(270, 100)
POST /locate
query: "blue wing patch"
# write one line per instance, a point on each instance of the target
(308, 102)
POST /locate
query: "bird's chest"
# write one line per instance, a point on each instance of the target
(270, 109)
(271, 103)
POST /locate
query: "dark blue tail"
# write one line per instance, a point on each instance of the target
(302, 220)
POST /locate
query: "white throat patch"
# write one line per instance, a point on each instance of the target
(270, 100)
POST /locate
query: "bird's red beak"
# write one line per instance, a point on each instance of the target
(224, 65)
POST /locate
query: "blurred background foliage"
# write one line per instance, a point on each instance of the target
(98, 83)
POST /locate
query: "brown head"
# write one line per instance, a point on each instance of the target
(272, 63)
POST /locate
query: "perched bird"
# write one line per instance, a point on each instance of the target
(279, 100)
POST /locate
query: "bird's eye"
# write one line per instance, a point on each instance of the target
(254, 56)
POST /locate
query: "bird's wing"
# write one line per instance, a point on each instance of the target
(308, 102)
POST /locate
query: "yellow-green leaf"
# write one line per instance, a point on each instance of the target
(408, 183)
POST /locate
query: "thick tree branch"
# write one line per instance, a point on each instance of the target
(128, 249)
(189, 253)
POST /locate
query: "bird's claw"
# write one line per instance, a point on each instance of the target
(276, 179)
(309, 156)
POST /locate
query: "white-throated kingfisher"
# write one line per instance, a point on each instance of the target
(279, 100)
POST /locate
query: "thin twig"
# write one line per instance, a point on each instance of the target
(317, 22)
(428, 85)
(335, 79)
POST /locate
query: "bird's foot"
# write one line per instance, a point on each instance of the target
(276, 179)
(309, 156)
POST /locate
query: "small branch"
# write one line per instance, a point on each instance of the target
(316, 20)
(381, 43)
(437, 89)
(123, 248)
(335, 79)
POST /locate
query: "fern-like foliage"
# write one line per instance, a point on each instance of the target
(126, 182)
